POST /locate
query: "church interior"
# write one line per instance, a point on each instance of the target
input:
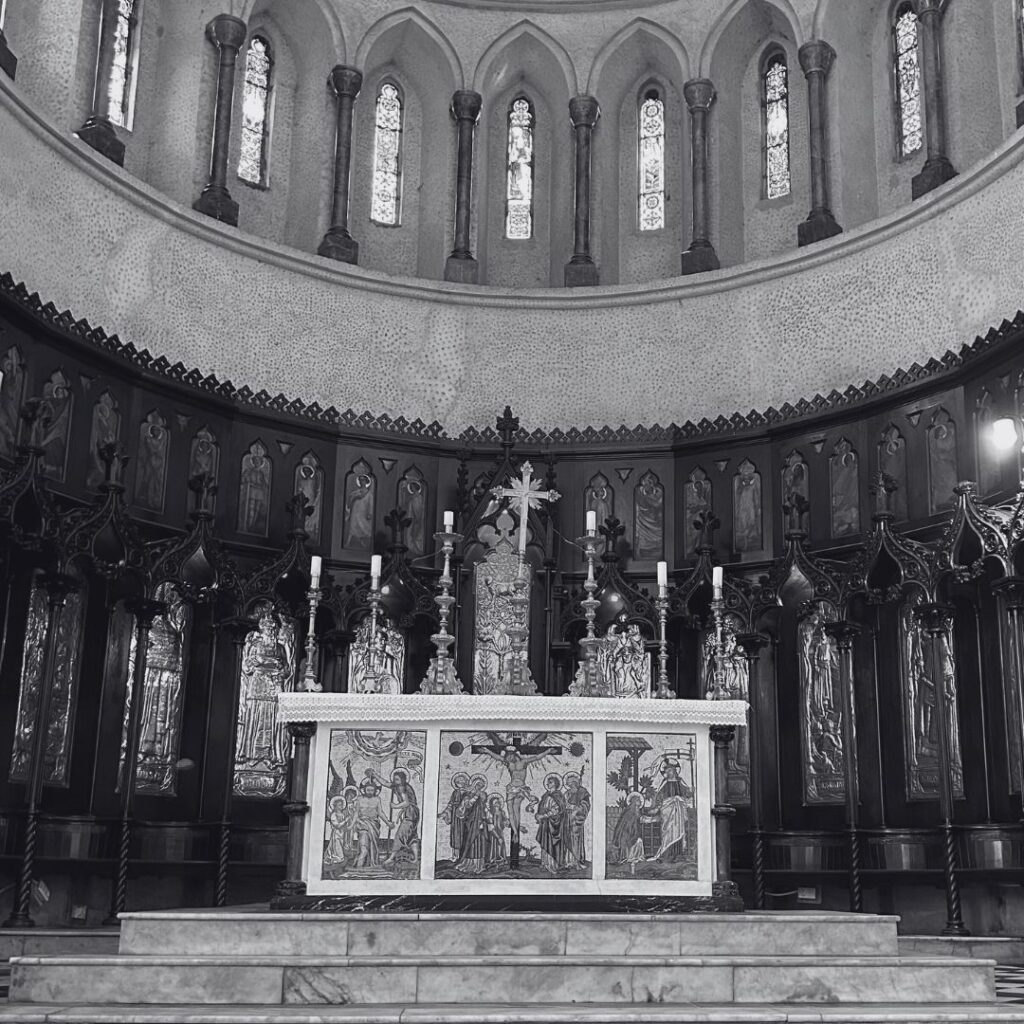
(560, 460)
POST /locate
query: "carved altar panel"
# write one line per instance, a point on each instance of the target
(493, 585)
(844, 485)
(360, 505)
(376, 664)
(649, 518)
(151, 462)
(737, 683)
(599, 497)
(12, 395)
(747, 532)
(697, 498)
(104, 429)
(624, 665)
(163, 690)
(412, 500)
(943, 474)
(268, 666)
(892, 461)
(821, 705)
(309, 482)
(254, 491)
(63, 694)
(203, 460)
(54, 424)
(921, 710)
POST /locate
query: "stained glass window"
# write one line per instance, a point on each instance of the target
(651, 162)
(387, 142)
(252, 161)
(120, 74)
(519, 193)
(908, 80)
(775, 82)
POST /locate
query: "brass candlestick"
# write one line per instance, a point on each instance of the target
(664, 692)
(441, 676)
(308, 683)
(718, 689)
(590, 604)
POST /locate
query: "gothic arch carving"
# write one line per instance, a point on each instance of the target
(323, 8)
(677, 70)
(482, 74)
(783, 8)
(400, 21)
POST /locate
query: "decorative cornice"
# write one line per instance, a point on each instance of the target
(82, 332)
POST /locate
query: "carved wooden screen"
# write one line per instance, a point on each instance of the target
(12, 393)
(54, 423)
(844, 484)
(892, 460)
(309, 482)
(696, 499)
(203, 460)
(268, 668)
(943, 474)
(151, 463)
(104, 429)
(821, 706)
(360, 506)
(599, 498)
(795, 478)
(254, 491)
(649, 518)
(412, 500)
(376, 664)
(746, 509)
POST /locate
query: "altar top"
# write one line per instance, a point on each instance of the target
(416, 707)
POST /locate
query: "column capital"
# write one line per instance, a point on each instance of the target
(926, 8)
(699, 94)
(722, 735)
(302, 732)
(145, 610)
(935, 618)
(466, 105)
(842, 632)
(226, 32)
(816, 55)
(584, 111)
(346, 81)
(1012, 589)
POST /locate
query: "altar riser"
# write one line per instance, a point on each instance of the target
(602, 980)
(751, 935)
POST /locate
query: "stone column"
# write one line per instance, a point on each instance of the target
(937, 168)
(937, 620)
(460, 265)
(723, 812)
(145, 611)
(751, 645)
(701, 256)
(816, 59)
(57, 586)
(843, 633)
(297, 808)
(227, 33)
(98, 130)
(581, 270)
(338, 244)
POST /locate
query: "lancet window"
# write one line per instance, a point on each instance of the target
(387, 151)
(775, 97)
(120, 87)
(907, 77)
(651, 161)
(252, 161)
(519, 185)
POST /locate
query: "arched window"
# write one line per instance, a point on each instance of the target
(120, 89)
(907, 76)
(775, 98)
(387, 144)
(252, 163)
(651, 161)
(519, 189)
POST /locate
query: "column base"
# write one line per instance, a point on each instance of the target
(8, 62)
(18, 921)
(819, 225)
(699, 258)
(581, 274)
(462, 269)
(100, 135)
(216, 202)
(339, 245)
(933, 174)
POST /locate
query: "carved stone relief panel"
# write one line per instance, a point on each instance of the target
(844, 482)
(921, 721)
(309, 482)
(649, 518)
(203, 460)
(943, 474)
(821, 705)
(412, 500)
(599, 498)
(12, 394)
(360, 506)
(151, 463)
(622, 661)
(262, 744)
(376, 664)
(254, 491)
(54, 424)
(105, 429)
(696, 499)
(746, 508)
(892, 460)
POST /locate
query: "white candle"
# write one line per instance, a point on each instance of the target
(375, 569)
(314, 571)
(591, 523)
(716, 581)
(662, 578)
(449, 520)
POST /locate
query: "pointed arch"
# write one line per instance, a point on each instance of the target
(482, 74)
(783, 8)
(323, 7)
(401, 20)
(678, 68)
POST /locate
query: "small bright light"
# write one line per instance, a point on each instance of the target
(1004, 434)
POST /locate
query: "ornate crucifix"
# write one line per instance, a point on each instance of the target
(528, 494)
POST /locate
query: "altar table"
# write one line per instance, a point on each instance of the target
(449, 796)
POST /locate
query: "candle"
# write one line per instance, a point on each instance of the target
(375, 570)
(314, 571)
(591, 523)
(449, 520)
(663, 574)
(716, 581)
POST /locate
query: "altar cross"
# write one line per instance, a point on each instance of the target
(528, 494)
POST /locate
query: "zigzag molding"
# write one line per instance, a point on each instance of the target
(81, 331)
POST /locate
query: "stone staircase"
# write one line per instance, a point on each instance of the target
(255, 965)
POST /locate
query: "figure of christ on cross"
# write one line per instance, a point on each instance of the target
(515, 755)
(527, 493)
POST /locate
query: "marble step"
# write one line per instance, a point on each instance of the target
(480, 979)
(57, 941)
(556, 935)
